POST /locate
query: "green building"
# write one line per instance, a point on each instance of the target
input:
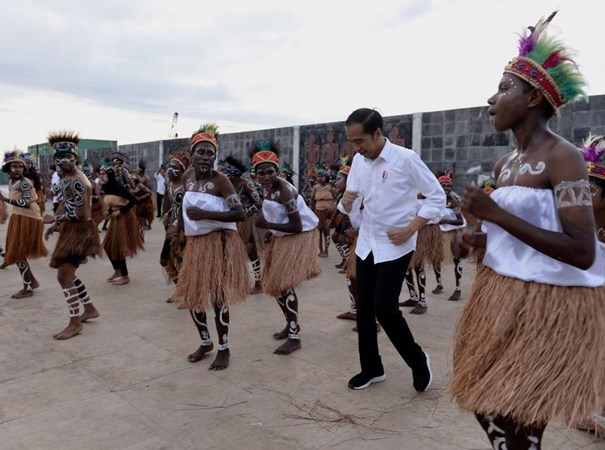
(85, 144)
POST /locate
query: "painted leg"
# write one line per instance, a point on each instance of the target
(439, 287)
(458, 274)
(90, 312)
(283, 334)
(523, 437)
(421, 307)
(290, 300)
(26, 278)
(123, 268)
(256, 270)
(494, 428)
(206, 346)
(221, 319)
(66, 277)
(351, 314)
(409, 282)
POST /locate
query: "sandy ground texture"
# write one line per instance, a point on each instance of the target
(125, 383)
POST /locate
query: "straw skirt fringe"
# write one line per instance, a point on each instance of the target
(24, 239)
(76, 239)
(530, 351)
(289, 260)
(350, 265)
(214, 272)
(429, 247)
(123, 237)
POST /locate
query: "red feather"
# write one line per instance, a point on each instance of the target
(554, 59)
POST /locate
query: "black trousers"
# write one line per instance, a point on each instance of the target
(159, 199)
(378, 289)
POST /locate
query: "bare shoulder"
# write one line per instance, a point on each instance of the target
(501, 162)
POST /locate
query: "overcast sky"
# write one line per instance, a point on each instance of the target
(114, 69)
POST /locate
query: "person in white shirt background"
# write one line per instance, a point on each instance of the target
(160, 190)
(387, 178)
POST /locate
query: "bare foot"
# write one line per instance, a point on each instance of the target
(455, 296)
(340, 265)
(419, 309)
(170, 299)
(288, 347)
(438, 289)
(283, 334)
(409, 302)
(121, 281)
(90, 312)
(23, 293)
(35, 284)
(200, 353)
(71, 330)
(221, 361)
(347, 316)
(115, 275)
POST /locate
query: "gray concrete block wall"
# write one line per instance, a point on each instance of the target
(460, 139)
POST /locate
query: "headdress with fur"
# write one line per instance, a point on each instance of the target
(120, 157)
(593, 150)
(546, 64)
(265, 151)
(64, 142)
(11, 157)
(234, 166)
(208, 132)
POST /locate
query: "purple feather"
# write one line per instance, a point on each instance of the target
(527, 44)
(594, 149)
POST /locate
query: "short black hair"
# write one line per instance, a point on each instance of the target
(370, 119)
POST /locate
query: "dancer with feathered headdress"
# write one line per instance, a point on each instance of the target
(78, 235)
(529, 344)
(25, 226)
(290, 256)
(214, 273)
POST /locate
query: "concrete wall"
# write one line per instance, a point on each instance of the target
(459, 139)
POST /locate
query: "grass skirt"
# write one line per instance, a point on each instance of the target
(98, 212)
(123, 237)
(145, 209)
(530, 351)
(289, 260)
(214, 271)
(24, 239)
(429, 247)
(76, 239)
(250, 234)
(447, 238)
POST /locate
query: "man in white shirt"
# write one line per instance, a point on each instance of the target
(55, 183)
(160, 179)
(387, 179)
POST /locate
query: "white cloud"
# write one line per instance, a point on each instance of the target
(118, 70)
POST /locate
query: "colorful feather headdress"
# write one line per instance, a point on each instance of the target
(208, 132)
(344, 167)
(546, 64)
(265, 151)
(593, 149)
(182, 158)
(287, 169)
(64, 142)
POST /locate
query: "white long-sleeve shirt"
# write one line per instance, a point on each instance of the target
(389, 187)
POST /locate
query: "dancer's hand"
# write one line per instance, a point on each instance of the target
(50, 231)
(194, 213)
(261, 222)
(348, 198)
(479, 204)
(115, 213)
(398, 236)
